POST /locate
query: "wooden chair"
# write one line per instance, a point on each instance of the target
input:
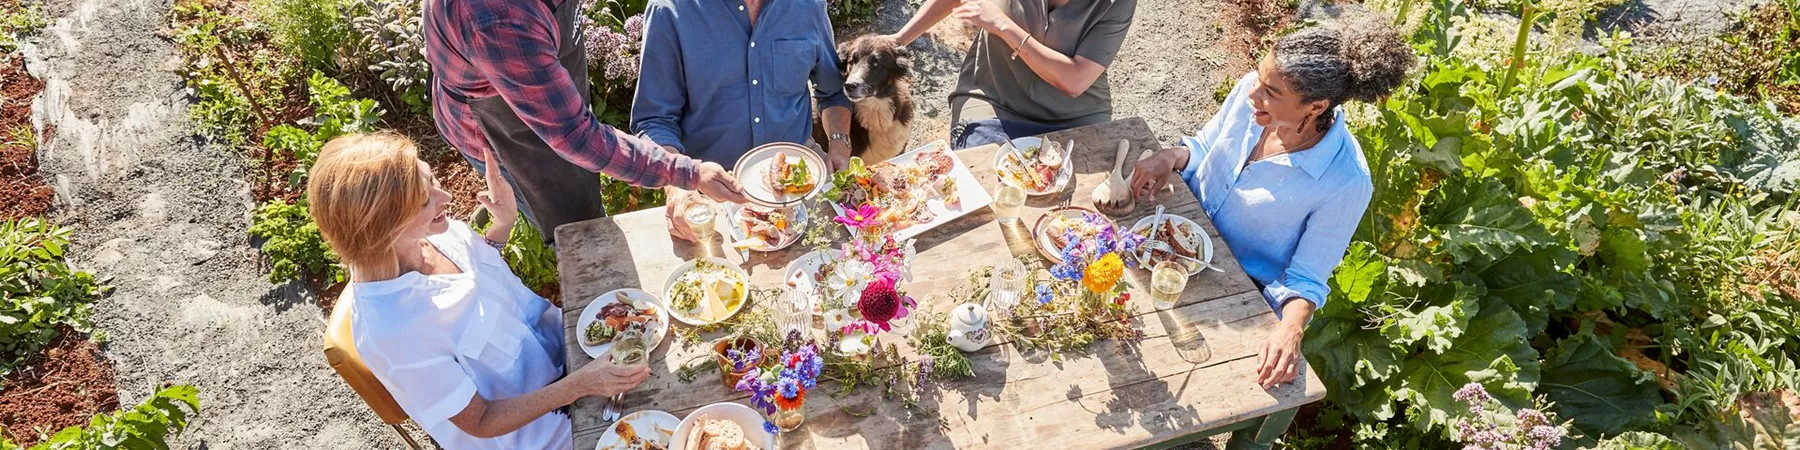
(340, 352)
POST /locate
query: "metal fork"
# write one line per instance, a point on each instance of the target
(1161, 246)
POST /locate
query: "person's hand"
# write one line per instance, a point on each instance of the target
(719, 184)
(678, 200)
(1150, 174)
(602, 377)
(985, 14)
(1279, 361)
(498, 199)
(890, 40)
(837, 153)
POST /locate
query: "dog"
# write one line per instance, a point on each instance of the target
(877, 80)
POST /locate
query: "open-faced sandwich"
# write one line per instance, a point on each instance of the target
(1033, 169)
(718, 434)
(764, 228)
(616, 318)
(1182, 236)
(791, 178)
(1062, 227)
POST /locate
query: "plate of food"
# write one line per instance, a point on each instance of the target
(811, 272)
(642, 430)
(706, 291)
(781, 173)
(1184, 242)
(912, 193)
(1056, 228)
(723, 426)
(1035, 166)
(614, 312)
(766, 229)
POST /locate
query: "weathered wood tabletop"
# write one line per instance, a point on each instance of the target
(1113, 395)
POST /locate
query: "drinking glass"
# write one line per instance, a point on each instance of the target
(700, 215)
(628, 350)
(1167, 281)
(1005, 285)
(793, 313)
(1007, 202)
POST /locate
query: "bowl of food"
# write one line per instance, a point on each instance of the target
(723, 426)
(780, 174)
(1173, 238)
(766, 229)
(642, 430)
(706, 291)
(612, 313)
(1034, 166)
(1058, 227)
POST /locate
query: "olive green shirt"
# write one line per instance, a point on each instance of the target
(1094, 29)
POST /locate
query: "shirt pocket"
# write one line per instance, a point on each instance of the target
(792, 65)
(492, 341)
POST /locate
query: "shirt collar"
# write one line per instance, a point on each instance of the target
(1317, 160)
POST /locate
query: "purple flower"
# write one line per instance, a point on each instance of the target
(1044, 296)
(926, 367)
(742, 360)
(1471, 392)
(770, 427)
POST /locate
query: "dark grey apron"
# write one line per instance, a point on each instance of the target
(554, 190)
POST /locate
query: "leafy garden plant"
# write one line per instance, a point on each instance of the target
(147, 426)
(1548, 224)
(39, 293)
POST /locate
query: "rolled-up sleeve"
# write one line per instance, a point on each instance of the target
(827, 77)
(657, 105)
(1101, 43)
(1322, 245)
(431, 387)
(521, 58)
(1199, 144)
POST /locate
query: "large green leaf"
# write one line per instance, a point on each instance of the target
(1493, 352)
(1638, 440)
(1533, 284)
(1358, 276)
(1439, 323)
(1603, 393)
(1482, 219)
(1355, 363)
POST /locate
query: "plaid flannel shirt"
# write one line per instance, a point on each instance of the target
(483, 48)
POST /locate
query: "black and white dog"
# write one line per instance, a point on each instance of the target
(877, 79)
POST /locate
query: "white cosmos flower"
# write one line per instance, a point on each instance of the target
(836, 319)
(856, 344)
(850, 278)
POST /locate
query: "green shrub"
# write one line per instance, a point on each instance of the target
(311, 30)
(388, 43)
(144, 427)
(39, 292)
(292, 242)
(224, 108)
(335, 113)
(530, 259)
(850, 13)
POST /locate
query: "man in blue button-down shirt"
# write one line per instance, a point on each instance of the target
(720, 77)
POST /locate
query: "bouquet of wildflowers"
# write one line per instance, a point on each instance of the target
(1091, 269)
(862, 291)
(783, 385)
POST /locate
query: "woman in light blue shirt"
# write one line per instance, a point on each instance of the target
(1279, 173)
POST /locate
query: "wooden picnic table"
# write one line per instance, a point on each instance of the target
(1149, 393)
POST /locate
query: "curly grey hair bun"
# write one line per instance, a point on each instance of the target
(1360, 58)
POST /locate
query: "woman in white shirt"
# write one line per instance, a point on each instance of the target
(468, 351)
(1280, 174)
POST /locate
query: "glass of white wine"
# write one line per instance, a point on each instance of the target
(700, 215)
(1007, 203)
(1005, 285)
(1167, 281)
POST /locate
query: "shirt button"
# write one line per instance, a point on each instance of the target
(757, 120)
(752, 82)
(740, 7)
(752, 45)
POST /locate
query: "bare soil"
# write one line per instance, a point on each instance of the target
(23, 192)
(64, 385)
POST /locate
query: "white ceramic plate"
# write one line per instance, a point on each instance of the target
(1141, 228)
(653, 335)
(809, 264)
(1044, 245)
(751, 167)
(796, 223)
(749, 419)
(968, 189)
(1003, 164)
(682, 316)
(650, 425)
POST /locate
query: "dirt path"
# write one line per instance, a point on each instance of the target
(164, 216)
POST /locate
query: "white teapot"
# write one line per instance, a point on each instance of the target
(969, 327)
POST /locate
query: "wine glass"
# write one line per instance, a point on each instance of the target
(628, 350)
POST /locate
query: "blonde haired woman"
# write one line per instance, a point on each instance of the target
(468, 351)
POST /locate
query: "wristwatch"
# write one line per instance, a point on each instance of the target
(840, 137)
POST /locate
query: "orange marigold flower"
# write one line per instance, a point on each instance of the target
(1103, 274)
(790, 403)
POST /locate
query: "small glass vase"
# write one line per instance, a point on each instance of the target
(790, 418)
